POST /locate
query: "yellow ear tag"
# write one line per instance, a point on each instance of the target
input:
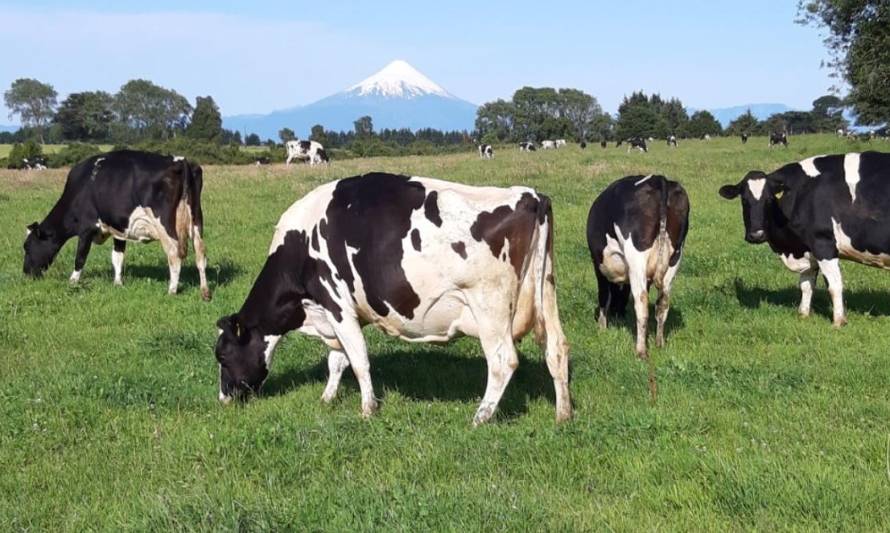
(779, 194)
(237, 330)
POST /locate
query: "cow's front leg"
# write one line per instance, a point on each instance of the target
(337, 363)
(807, 284)
(117, 260)
(349, 333)
(84, 242)
(831, 269)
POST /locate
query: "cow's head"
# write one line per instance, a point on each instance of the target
(41, 247)
(241, 353)
(758, 193)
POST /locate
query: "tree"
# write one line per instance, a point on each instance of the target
(85, 116)
(206, 123)
(148, 111)
(286, 134)
(33, 101)
(364, 127)
(580, 109)
(640, 117)
(252, 139)
(318, 135)
(495, 118)
(675, 116)
(859, 42)
(703, 123)
(828, 113)
(746, 123)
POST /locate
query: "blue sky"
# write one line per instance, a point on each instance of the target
(254, 57)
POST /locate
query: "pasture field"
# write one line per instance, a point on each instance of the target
(765, 421)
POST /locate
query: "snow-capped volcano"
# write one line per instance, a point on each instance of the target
(398, 96)
(397, 80)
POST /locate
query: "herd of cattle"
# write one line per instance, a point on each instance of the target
(427, 260)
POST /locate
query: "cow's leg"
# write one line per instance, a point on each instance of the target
(287, 162)
(500, 354)
(349, 334)
(831, 269)
(639, 288)
(337, 363)
(557, 349)
(117, 260)
(663, 304)
(201, 261)
(807, 284)
(84, 242)
(604, 294)
(174, 262)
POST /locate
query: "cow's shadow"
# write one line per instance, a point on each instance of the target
(219, 274)
(431, 375)
(867, 302)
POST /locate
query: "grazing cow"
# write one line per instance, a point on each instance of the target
(422, 259)
(583, 144)
(778, 138)
(527, 146)
(618, 143)
(485, 151)
(262, 161)
(744, 138)
(559, 142)
(129, 196)
(310, 151)
(672, 141)
(818, 211)
(635, 231)
(548, 145)
(638, 143)
(706, 137)
(603, 143)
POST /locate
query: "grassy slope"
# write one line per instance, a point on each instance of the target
(764, 420)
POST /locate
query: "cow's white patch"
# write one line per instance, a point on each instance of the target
(809, 166)
(75, 276)
(851, 172)
(756, 187)
(271, 343)
(642, 180)
(797, 264)
(178, 158)
(96, 164)
(847, 251)
(117, 262)
(142, 226)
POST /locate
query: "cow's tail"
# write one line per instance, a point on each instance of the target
(189, 216)
(662, 242)
(548, 328)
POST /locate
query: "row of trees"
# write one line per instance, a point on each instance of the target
(139, 111)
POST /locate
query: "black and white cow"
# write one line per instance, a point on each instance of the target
(422, 259)
(559, 143)
(548, 145)
(778, 138)
(129, 196)
(744, 138)
(638, 143)
(818, 211)
(635, 231)
(485, 151)
(264, 160)
(706, 137)
(672, 141)
(527, 146)
(310, 151)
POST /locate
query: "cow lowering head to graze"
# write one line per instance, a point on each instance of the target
(129, 196)
(422, 259)
(485, 151)
(818, 211)
(311, 151)
(548, 145)
(527, 146)
(672, 141)
(744, 138)
(635, 231)
(638, 143)
(778, 138)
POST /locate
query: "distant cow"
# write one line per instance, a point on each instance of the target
(706, 137)
(526, 146)
(635, 231)
(559, 142)
(603, 143)
(310, 151)
(583, 144)
(818, 211)
(778, 138)
(672, 141)
(262, 161)
(422, 259)
(485, 151)
(744, 138)
(129, 196)
(548, 145)
(638, 143)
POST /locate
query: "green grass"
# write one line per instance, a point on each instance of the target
(109, 418)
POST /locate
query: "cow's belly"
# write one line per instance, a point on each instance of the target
(797, 264)
(142, 226)
(440, 320)
(846, 249)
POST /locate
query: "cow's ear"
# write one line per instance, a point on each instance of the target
(730, 191)
(233, 328)
(33, 227)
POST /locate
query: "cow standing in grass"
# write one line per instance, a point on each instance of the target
(310, 151)
(486, 151)
(778, 138)
(424, 260)
(635, 232)
(129, 196)
(817, 211)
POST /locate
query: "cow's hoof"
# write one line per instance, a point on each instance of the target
(659, 342)
(369, 408)
(205, 295)
(118, 283)
(643, 355)
(563, 415)
(328, 397)
(839, 323)
(483, 415)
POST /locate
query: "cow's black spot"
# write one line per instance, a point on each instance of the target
(315, 245)
(516, 226)
(415, 239)
(372, 214)
(460, 248)
(431, 209)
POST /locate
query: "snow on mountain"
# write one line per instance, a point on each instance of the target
(397, 96)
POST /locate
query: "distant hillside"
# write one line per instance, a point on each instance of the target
(398, 96)
(725, 115)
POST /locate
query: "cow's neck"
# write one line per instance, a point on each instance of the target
(274, 305)
(782, 239)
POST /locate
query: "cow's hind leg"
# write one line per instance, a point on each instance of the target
(663, 304)
(117, 260)
(831, 269)
(337, 363)
(639, 288)
(174, 262)
(604, 294)
(349, 334)
(201, 261)
(502, 360)
(557, 348)
(807, 284)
